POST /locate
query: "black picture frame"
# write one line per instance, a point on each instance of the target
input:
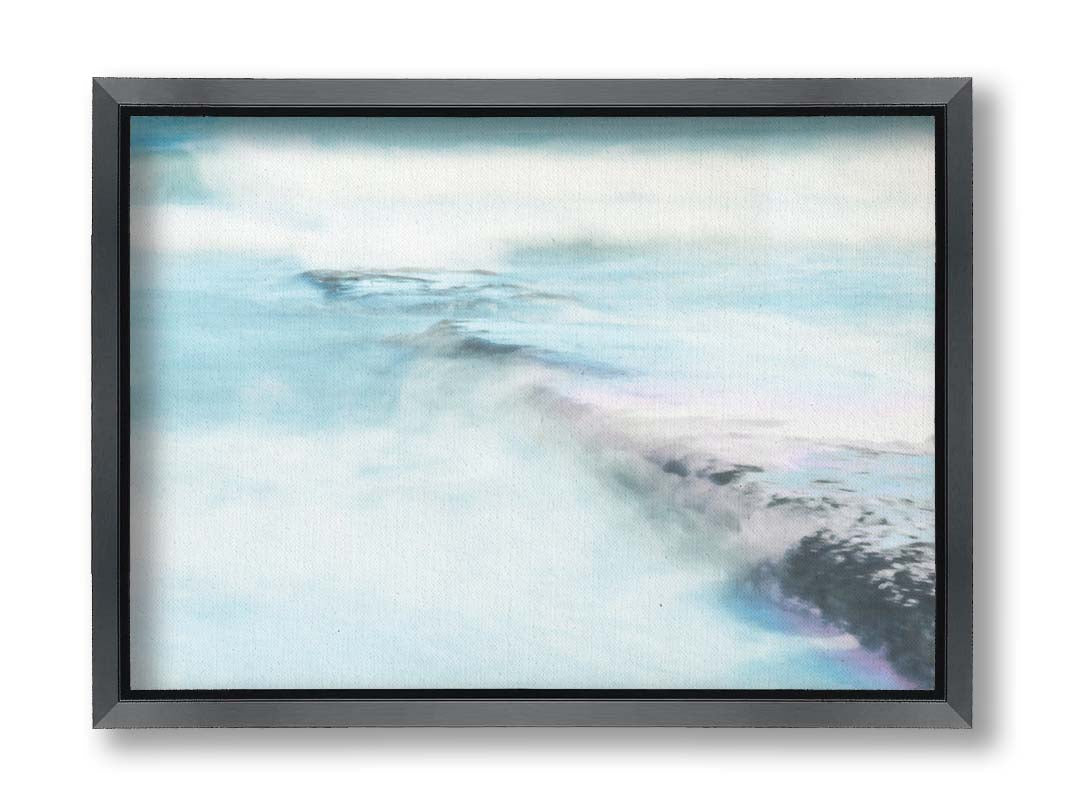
(115, 705)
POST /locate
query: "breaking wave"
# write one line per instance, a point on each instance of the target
(829, 552)
(464, 441)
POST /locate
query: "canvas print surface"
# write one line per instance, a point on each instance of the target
(532, 402)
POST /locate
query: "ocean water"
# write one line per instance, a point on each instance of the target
(553, 403)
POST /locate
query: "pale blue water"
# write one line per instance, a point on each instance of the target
(558, 466)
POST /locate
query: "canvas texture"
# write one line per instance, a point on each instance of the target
(532, 402)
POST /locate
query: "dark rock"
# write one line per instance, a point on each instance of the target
(676, 467)
(884, 597)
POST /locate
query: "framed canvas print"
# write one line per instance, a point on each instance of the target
(531, 402)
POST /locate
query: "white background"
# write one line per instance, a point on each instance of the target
(1013, 50)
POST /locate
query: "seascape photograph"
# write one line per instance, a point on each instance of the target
(532, 402)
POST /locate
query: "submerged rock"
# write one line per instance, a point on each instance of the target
(676, 467)
(883, 597)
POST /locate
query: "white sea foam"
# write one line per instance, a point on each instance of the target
(371, 204)
(472, 543)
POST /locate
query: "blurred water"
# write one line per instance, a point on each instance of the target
(572, 462)
(346, 480)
